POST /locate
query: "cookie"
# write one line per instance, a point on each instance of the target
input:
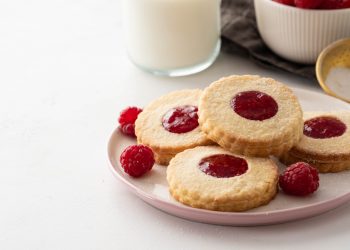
(169, 125)
(251, 115)
(322, 167)
(163, 159)
(210, 177)
(325, 142)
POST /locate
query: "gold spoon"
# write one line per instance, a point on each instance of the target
(335, 57)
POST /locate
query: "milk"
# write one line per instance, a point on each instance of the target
(165, 35)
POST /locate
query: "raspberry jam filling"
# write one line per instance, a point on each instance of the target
(254, 105)
(324, 127)
(181, 119)
(223, 166)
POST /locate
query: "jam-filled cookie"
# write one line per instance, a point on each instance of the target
(169, 125)
(210, 177)
(251, 115)
(325, 142)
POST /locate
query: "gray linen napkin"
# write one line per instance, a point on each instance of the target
(240, 35)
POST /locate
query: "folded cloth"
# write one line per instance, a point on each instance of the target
(240, 35)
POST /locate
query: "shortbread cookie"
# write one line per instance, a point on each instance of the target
(163, 159)
(251, 115)
(169, 125)
(322, 167)
(325, 142)
(210, 177)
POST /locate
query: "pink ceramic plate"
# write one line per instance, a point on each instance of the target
(153, 187)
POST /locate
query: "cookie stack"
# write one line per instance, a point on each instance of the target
(325, 143)
(217, 142)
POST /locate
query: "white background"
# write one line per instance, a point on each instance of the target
(64, 77)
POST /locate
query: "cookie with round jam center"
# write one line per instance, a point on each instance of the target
(169, 125)
(325, 143)
(251, 115)
(210, 177)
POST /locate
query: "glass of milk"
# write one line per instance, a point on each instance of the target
(172, 37)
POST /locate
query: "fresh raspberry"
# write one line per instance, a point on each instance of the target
(286, 2)
(335, 4)
(127, 120)
(299, 179)
(136, 160)
(308, 4)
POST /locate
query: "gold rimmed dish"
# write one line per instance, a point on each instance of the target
(333, 69)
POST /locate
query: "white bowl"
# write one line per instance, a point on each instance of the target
(299, 35)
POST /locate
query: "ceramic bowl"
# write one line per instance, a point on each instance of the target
(299, 35)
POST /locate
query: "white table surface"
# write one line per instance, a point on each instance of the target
(64, 77)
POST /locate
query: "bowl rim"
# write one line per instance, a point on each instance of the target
(318, 67)
(296, 9)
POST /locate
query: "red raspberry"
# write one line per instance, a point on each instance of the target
(136, 160)
(127, 120)
(308, 4)
(335, 4)
(286, 2)
(299, 179)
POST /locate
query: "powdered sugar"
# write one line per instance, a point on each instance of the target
(338, 81)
